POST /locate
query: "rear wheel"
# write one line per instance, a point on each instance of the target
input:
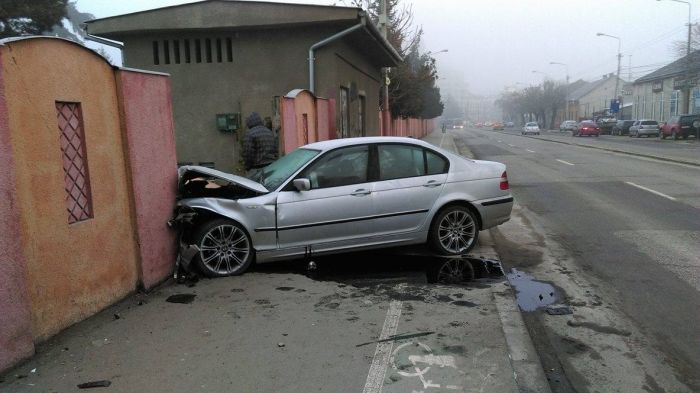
(454, 231)
(225, 249)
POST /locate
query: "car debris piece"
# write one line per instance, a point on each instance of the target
(95, 384)
(558, 310)
(181, 298)
(281, 345)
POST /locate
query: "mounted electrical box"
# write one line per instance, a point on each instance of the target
(228, 122)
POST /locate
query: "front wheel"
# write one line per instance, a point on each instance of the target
(225, 249)
(454, 231)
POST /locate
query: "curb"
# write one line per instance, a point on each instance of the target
(528, 372)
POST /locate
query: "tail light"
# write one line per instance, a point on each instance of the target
(585, 129)
(504, 181)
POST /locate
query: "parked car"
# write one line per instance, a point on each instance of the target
(679, 127)
(646, 127)
(336, 196)
(587, 128)
(497, 126)
(510, 124)
(606, 124)
(622, 127)
(568, 125)
(531, 128)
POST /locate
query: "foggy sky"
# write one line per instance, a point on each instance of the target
(498, 43)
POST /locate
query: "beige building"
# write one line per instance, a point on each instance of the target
(593, 98)
(659, 95)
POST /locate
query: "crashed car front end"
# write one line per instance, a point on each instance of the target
(205, 195)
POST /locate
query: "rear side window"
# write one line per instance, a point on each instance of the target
(400, 161)
(436, 164)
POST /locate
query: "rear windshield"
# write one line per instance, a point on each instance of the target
(649, 123)
(588, 124)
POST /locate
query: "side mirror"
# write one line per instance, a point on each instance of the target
(302, 184)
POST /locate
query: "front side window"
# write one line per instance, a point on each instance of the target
(339, 167)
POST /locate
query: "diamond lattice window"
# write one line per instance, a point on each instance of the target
(77, 179)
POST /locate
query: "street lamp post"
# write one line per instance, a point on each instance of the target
(619, 58)
(566, 99)
(686, 87)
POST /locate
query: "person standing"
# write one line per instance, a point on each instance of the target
(259, 145)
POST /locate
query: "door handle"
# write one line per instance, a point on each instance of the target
(431, 184)
(361, 192)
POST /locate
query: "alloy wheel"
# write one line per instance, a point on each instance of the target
(456, 231)
(224, 249)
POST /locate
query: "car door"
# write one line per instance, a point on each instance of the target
(336, 209)
(410, 180)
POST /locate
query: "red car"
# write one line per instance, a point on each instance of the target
(586, 128)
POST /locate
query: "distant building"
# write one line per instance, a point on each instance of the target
(659, 95)
(234, 57)
(592, 99)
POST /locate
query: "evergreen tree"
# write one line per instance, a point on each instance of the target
(22, 17)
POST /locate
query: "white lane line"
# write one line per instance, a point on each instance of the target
(511, 145)
(380, 362)
(442, 139)
(651, 191)
(565, 162)
(531, 151)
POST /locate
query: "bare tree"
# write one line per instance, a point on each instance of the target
(680, 48)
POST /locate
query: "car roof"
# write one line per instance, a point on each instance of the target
(343, 142)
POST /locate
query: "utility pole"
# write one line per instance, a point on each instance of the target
(686, 84)
(619, 59)
(383, 28)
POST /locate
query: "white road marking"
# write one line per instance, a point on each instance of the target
(500, 141)
(442, 139)
(511, 145)
(531, 151)
(565, 162)
(650, 190)
(375, 378)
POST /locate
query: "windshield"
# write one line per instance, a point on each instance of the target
(531, 125)
(273, 175)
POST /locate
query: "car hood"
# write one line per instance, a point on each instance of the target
(192, 171)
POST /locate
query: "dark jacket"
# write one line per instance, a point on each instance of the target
(259, 144)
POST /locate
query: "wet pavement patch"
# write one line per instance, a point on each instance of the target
(464, 303)
(284, 289)
(94, 384)
(558, 310)
(599, 328)
(181, 298)
(530, 293)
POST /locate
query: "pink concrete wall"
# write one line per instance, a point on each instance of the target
(16, 341)
(147, 123)
(323, 123)
(289, 125)
(73, 270)
(416, 128)
(305, 105)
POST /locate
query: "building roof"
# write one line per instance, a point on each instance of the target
(588, 87)
(246, 15)
(676, 68)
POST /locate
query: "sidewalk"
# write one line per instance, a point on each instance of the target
(355, 326)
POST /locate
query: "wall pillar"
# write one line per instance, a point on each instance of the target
(16, 341)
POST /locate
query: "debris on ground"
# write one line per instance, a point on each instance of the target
(181, 298)
(116, 316)
(281, 345)
(95, 384)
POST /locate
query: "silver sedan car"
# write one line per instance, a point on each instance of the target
(337, 196)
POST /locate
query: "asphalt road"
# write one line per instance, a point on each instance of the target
(631, 228)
